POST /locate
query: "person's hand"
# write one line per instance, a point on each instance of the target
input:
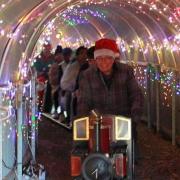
(75, 93)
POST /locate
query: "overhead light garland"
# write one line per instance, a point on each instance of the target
(170, 44)
(78, 15)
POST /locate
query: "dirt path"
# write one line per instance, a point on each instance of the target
(160, 160)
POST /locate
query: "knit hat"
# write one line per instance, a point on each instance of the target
(105, 47)
(58, 50)
(67, 51)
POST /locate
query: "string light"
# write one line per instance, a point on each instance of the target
(77, 15)
(7, 111)
(171, 44)
(10, 126)
(141, 76)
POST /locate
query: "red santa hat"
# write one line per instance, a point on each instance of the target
(105, 47)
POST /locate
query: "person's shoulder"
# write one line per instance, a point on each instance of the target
(37, 61)
(91, 69)
(73, 61)
(89, 72)
(62, 63)
(55, 65)
(123, 66)
(73, 64)
(51, 56)
(38, 58)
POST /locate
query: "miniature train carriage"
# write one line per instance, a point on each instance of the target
(102, 149)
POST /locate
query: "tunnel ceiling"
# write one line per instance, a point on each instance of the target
(147, 31)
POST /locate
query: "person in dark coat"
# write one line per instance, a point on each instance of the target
(110, 87)
(42, 64)
(55, 73)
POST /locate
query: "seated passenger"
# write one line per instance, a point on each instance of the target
(65, 96)
(109, 87)
(44, 61)
(90, 55)
(69, 81)
(42, 65)
(55, 73)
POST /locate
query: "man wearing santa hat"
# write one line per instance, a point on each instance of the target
(109, 87)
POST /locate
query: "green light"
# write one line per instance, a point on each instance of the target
(33, 118)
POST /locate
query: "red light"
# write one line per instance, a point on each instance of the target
(177, 11)
(120, 163)
(75, 166)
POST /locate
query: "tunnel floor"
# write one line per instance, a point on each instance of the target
(159, 159)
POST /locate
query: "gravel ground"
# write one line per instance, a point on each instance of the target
(159, 159)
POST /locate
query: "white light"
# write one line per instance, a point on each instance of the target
(2, 32)
(177, 36)
(3, 5)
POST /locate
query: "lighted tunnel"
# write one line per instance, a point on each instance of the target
(147, 33)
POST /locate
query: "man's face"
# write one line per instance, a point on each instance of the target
(47, 49)
(59, 57)
(82, 55)
(67, 57)
(105, 63)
